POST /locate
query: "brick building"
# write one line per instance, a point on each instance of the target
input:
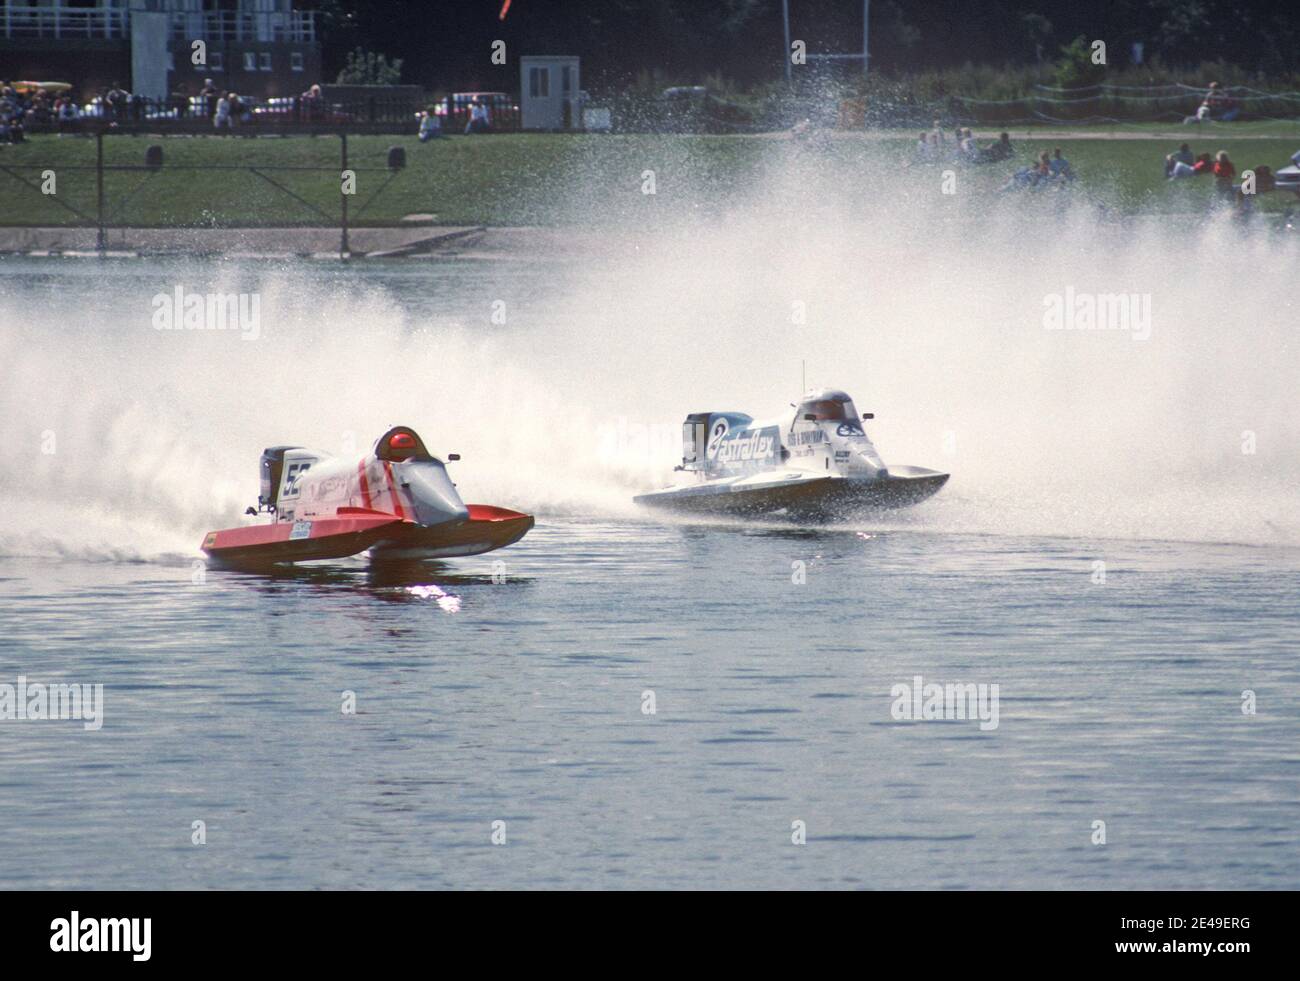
(261, 48)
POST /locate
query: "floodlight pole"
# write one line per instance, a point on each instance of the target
(866, 24)
(866, 40)
(785, 17)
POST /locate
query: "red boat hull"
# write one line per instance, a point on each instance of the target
(355, 530)
(488, 528)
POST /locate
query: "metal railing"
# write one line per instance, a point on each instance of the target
(63, 23)
(197, 114)
(113, 23)
(133, 180)
(239, 25)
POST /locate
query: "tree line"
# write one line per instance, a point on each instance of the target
(448, 45)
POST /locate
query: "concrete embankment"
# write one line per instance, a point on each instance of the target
(415, 243)
(236, 242)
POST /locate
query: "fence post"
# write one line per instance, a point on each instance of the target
(101, 240)
(343, 241)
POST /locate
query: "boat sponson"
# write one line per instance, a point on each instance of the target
(818, 496)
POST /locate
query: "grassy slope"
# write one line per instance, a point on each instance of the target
(528, 179)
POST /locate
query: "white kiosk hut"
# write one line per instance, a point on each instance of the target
(549, 92)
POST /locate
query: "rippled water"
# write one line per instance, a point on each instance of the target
(1119, 702)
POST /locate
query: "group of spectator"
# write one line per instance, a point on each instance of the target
(24, 109)
(1047, 170)
(33, 108)
(1183, 164)
(933, 147)
(1217, 106)
(478, 120)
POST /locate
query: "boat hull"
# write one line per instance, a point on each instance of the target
(802, 496)
(487, 529)
(356, 530)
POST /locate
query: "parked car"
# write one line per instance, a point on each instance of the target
(694, 109)
(286, 109)
(503, 111)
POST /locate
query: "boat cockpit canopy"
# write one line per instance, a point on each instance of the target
(826, 406)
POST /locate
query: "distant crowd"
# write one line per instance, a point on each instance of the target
(25, 107)
(934, 147)
(1182, 164)
(1047, 170)
(478, 119)
(34, 107)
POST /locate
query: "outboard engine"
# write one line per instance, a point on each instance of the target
(694, 430)
(271, 470)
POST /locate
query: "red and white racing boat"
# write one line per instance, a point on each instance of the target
(397, 501)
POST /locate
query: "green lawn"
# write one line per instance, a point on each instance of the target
(549, 179)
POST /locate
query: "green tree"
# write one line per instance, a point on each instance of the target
(369, 68)
(1076, 70)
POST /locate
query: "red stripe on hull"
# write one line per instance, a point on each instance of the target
(392, 490)
(365, 484)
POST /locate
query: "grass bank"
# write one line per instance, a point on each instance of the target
(545, 179)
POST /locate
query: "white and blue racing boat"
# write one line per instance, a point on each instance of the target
(814, 462)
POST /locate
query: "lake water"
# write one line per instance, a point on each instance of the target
(1108, 553)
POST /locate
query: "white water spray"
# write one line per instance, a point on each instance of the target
(932, 320)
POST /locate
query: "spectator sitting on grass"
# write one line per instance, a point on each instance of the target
(1035, 174)
(430, 125)
(1043, 168)
(65, 114)
(1216, 100)
(1060, 167)
(1204, 165)
(1183, 156)
(1001, 150)
(1264, 179)
(1224, 173)
(38, 111)
(11, 120)
(479, 121)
